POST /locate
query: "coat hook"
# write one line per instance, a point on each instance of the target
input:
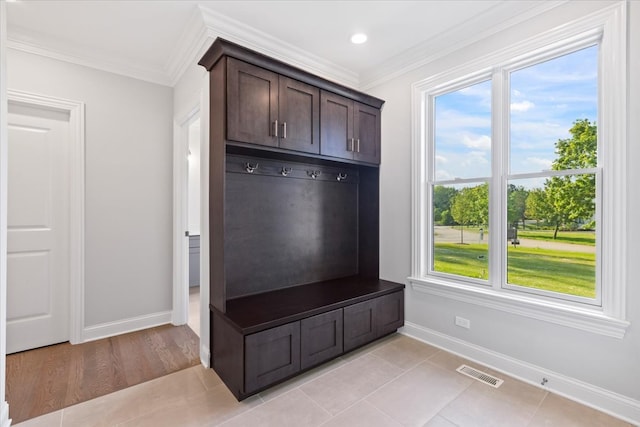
(285, 171)
(250, 168)
(314, 174)
(341, 176)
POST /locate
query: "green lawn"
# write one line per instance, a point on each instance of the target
(576, 237)
(558, 271)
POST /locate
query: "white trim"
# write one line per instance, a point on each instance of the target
(4, 406)
(205, 337)
(515, 303)
(87, 59)
(198, 108)
(610, 320)
(601, 399)
(76, 111)
(5, 421)
(219, 25)
(124, 326)
(180, 216)
(423, 54)
(205, 355)
(191, 46)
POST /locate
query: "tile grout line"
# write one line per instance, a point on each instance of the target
(372, 392)
(533, 416)
(318, 405)
(261, 404)
(453, 398)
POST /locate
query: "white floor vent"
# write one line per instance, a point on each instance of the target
(480, 376)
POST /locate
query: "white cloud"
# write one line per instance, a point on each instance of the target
(516, 92)
(441, 159)
(474, 158)
(442, 175)
(482, 142)
(544, 164)
(520, 107)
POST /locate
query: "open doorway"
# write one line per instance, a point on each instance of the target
(193, 215)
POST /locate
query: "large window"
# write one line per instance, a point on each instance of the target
(518, 186)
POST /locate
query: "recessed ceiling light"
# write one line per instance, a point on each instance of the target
(358, 38)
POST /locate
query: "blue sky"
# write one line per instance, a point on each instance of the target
(546, 99)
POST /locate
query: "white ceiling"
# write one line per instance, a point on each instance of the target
(156, 39)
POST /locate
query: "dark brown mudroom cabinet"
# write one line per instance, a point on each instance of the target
(293, 219)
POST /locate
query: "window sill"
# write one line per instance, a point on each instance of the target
(589, 320)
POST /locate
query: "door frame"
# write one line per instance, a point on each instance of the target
(198, 103)
(76, 111)
(181, 216)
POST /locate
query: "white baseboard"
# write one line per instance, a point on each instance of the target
(603, 400)
(205, 355)
(4, 414)
(119, 327)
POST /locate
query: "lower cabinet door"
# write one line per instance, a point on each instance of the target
(271, 355)
(359, 324)
(390, 313)
(320, 338)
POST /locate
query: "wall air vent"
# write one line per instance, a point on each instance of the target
(480, 376)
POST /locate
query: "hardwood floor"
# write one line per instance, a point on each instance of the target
(51, 378)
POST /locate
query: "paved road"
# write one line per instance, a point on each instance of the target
(449, 235)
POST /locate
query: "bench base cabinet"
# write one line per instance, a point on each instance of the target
(293, 220)
(271, 355)
(275, 354)
(320, 338)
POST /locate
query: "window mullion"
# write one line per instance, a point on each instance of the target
(497, 193)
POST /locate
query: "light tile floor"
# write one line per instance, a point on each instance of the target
(397, 381)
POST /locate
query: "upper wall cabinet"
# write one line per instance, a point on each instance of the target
(270, 106)
(266, 108)
(349, 129)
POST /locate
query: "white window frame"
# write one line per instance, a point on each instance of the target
(607, 316)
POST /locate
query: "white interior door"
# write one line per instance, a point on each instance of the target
(38, 227)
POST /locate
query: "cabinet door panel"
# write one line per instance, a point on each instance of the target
(271, 355)
(252, 103)
(390, 313)
(359, 324)
(320, 338)
(366, 130)
(336, 125)
(299, 114)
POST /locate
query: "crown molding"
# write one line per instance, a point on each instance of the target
(30, 42)
(192, 44)
(205, 25)
(446, 43)
(219, 25)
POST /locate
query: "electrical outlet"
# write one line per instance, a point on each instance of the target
(462, 322)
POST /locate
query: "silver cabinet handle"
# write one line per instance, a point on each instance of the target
(275, 128)
(284, 130)
(358, 145)
(350, 144)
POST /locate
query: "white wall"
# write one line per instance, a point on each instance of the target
(609, 363)
(128, 268)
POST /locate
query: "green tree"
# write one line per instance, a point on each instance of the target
(471, 206)
(442, 198)
(480, 201)
(516, 205)
(571, 198)
(536, 205)
(462, 209)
